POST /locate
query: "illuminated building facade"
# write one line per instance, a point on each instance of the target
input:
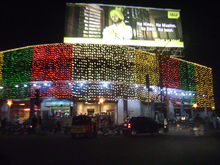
(69, 74)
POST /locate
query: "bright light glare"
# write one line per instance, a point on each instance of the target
(105, 85)
(9, 103)
(101, 100)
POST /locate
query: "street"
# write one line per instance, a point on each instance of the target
(172, 148)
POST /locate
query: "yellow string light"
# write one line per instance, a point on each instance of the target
(1, 66)
(204, 86)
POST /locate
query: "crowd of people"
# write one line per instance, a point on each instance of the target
(32, 123)
(107, 124)
(212, 122)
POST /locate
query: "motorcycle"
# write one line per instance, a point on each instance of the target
(11, 128)
(4, 129)
(21, 129)
(198, 130)
(117, 130)
(66, 129)
(57, 128)
(29, 129)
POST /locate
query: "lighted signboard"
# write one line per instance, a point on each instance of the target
(62, 103)
(123, 25)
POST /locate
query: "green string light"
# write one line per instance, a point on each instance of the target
(17, 70)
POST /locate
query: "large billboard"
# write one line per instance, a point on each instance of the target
(122, 25)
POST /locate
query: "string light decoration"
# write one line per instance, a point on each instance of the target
(170, 72)
(204, 85)
(98, 63)
(16, 72)
(191, 77)
(1, 66)
(192, 81)
(17, 66)
(183, 75)
(187, 80)
(53, 63)
(90, 71)
(145, 64)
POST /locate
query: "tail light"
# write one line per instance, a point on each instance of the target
(129, 125)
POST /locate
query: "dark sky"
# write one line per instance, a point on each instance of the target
(42, 22)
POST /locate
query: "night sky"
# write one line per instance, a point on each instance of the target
(42, 22)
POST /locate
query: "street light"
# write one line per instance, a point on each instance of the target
(101, 101)
(195, 105)
(9, 103)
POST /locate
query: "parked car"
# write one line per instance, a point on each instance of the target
(138, 125)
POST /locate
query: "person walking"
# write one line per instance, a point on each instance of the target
(105, 126)
(199, 124)
(3, 124)
(214, 121)
(198, 120)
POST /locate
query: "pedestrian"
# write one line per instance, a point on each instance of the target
(105, 126)
(127, 119)
(214, 121)
(165, 125)
(58, 126)
(39, 120)
(29, 126)
(38, 128)
(3, 123)
(198, 120)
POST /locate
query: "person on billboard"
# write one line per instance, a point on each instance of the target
(118, 30)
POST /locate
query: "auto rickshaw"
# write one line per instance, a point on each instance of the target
(84, 126)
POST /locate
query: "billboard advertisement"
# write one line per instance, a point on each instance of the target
(122, 25)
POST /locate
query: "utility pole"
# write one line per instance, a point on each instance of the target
(168, 105)
(37, 100)
(148, 90)
(161, 97)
